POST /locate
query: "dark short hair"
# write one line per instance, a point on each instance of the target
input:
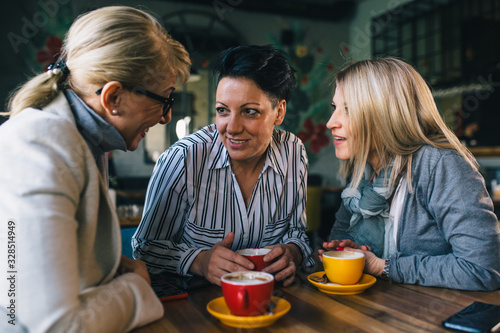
(267, 66)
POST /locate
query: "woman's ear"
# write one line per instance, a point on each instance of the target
(281, 108)
(111, 97)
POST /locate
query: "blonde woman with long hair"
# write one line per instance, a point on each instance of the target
(112, 82)
(415, 203)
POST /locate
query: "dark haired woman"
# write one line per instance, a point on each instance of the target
(238, 183)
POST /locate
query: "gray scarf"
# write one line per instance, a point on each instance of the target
(100, 136)
(369, 208)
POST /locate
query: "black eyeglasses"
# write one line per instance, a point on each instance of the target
(167, 102)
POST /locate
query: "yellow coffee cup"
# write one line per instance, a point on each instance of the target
(344, 267)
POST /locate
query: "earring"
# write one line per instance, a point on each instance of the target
(114, 112)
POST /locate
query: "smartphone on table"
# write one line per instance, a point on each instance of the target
(166, 291)
(187, 283)
(477, 317)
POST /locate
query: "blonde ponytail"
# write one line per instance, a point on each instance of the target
(37, 92)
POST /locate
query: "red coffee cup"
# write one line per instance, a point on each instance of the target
(256, 256)
(247, 293)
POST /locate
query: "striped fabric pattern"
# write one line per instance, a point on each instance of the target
(193, 201)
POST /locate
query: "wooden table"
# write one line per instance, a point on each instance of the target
(385, 307)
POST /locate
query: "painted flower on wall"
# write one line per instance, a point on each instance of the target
(315, 135)
(45, 47)
(309, 109)
(50, 52)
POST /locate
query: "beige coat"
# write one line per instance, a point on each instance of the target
(67, 234)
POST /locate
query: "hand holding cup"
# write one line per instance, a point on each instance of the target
(344, 267)
(255, 255)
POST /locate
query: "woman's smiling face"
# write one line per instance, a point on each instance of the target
(245, 118)
(139, 113)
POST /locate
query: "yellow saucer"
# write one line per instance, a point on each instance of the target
(366, 282)
(218, 308)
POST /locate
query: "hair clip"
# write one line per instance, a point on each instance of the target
(58, 66)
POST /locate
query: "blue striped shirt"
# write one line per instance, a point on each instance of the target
(193, 201)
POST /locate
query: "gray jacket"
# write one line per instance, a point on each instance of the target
(448, 235)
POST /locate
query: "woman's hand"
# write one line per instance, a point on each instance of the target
(373, 264)
(284, 258)
(346, 243)
(219, 260)
(128, 265)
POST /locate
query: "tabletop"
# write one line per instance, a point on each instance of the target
(383, 307)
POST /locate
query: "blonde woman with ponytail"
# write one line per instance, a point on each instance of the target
(112, 82)
(415, 203)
